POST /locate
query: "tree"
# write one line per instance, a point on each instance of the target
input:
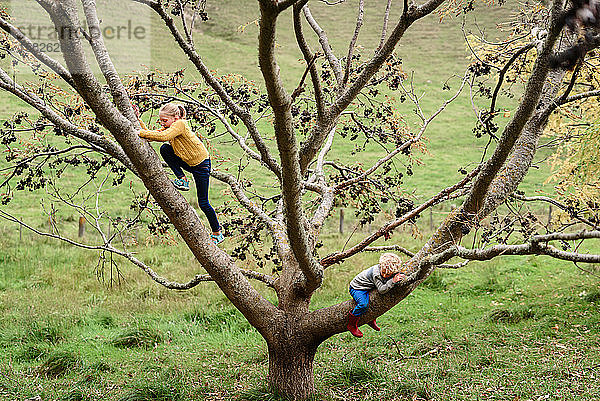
(99, 118)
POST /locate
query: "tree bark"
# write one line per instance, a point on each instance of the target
(291, 368)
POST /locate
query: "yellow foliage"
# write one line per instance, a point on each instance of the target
(576, 165)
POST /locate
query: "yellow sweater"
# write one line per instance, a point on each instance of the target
(185, 143)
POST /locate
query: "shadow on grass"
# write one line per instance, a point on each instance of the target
(137, 337)
(59, 364)
(153, 392)
(75, 395)
(511, 316)
(353, 374)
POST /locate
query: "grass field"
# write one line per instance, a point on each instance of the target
(510, 329)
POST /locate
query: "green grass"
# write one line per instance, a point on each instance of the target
(530, 332)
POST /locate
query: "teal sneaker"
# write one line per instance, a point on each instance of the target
(217, 239)
(181, 184)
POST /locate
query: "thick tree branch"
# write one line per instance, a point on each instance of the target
(537, 245)
(219, 265)
(288, 150)
(515, 169)
(479, 191)
(118, 92)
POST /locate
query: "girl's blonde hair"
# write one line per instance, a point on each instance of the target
(389, 264)
(173, 109)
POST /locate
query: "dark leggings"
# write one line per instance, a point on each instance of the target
(201, 174)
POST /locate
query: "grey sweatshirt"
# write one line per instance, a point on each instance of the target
(371, 278)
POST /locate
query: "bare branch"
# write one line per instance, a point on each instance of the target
(300, 88)
(531, 248)
(149, 3)
(386, 17)
(384, 248)
(34, 50)
(315, 140)
(282, 5)
(243, 199)
(99, 142)
(503, 72)
(555, 203)
(359, 21)
(319, 174)
(186, 29)
(334, 63)
(46, 155)
(265, 278)
(583, 234)
(310, 59)
(564, 100)
(199, 278)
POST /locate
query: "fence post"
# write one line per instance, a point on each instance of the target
(549, 214)
(81, 226)
(431, 218)
(341, 220)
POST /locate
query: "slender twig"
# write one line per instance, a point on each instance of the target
(386, 17)
(359, 22)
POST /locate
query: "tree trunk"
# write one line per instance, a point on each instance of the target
(291, 369)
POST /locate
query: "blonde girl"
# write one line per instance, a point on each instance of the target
(185, 152)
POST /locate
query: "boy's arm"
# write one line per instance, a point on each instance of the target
(382, 286)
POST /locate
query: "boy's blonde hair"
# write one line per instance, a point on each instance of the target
(389, 264)
(173, 109)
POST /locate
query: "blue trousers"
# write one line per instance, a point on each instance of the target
(361, 297)
(201, 174)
